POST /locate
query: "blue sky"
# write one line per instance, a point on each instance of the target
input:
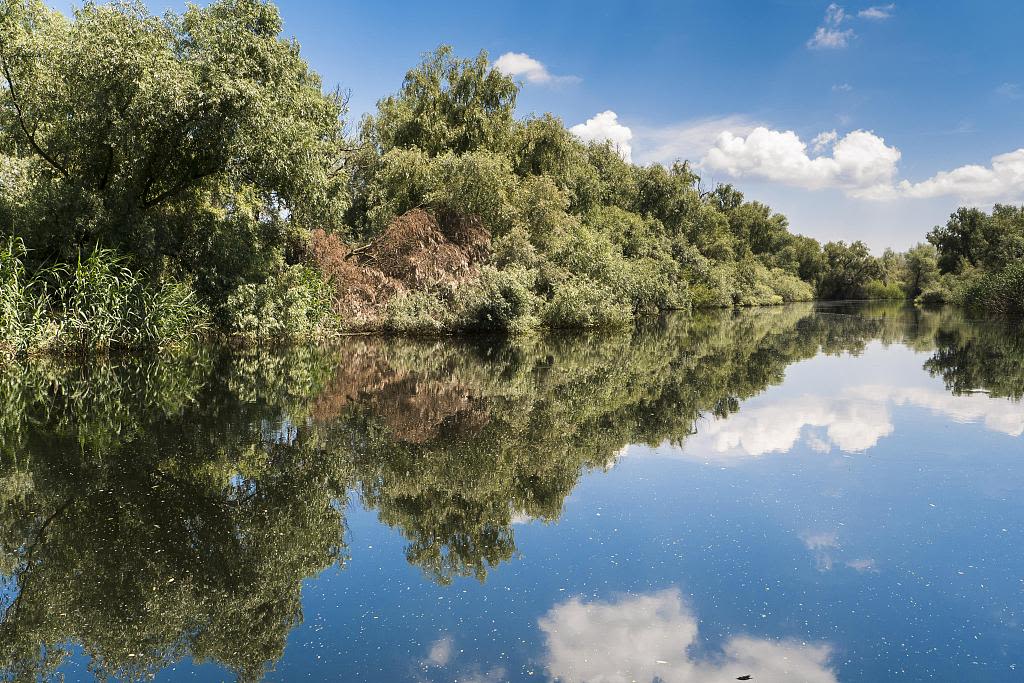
(931, 91)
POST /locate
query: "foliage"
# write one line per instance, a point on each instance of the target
(98, 304)
(195, 144)
(980, 256)
(200, 149)
(294, 304)
(876, 289)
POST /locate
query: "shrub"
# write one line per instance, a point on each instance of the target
(790, 287)
(876, 289)
(933, 296)
(98, 304)
(1001, 292)
(418, 313)
(500, 300)
(103, 305)
(753, 286)
(23, 301)
(582, 303)
(294, 304)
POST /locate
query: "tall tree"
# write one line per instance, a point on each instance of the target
(200, 139)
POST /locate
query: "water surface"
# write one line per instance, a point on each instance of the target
(795, 494)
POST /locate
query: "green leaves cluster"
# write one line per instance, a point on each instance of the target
(195, 144)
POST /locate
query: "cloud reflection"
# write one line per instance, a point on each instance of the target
(648, 637)
(854, 421)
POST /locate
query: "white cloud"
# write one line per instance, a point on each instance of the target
(853, 421)
(820, 540)
(842, 87)
(834, 15)
(998, 415)
(440, 652)
(851, 425)
(878, 12)
(1002, 180)
(606, 127)
(1011, 91)
(860, 159)
(651, 637)
(830, 36)
(532, 71)
(687, 139)
(823, 140)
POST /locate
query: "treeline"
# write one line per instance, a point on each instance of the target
(198, 159)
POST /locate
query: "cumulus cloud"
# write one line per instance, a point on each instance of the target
(1002, 180)
(830, 35)
(860, 163)
(878, 12)
(650, 637)
(687, 139)
(842, 87)
(520, 64)
(823, 140)
(606, 127)
(853, 421)
(859, 160)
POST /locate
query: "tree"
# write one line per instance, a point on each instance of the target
(198, 141)
(847, 269)
(921, 269)
(961, 241)
(446, 104)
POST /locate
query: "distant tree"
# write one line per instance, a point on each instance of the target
(847, 269)
(960, 242)
(921, 269)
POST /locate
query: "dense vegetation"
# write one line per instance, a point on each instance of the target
(197, 168)
(171, 508)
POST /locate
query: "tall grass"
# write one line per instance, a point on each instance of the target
(96, 304)
(24, 309)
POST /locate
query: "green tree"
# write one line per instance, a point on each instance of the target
(847, 270)
(195, 142)
(921, 269)
(961, 241)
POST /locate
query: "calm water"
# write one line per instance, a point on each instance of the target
(794, 494)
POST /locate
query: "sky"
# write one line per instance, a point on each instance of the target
(856, 120)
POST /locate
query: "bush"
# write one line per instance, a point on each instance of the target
(500, 300)
(933, 296)
(104, 305)
(789, 286)
(295, 304)
(1001, 292)
(753, 285)
(582, 303)
(876, 289)
(418, 313)
(23, 302)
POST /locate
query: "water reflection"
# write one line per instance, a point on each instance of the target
(654, 637)
(162, 509)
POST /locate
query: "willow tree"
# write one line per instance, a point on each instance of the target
(193, 141)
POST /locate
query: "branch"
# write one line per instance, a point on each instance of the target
(176, 188)
(21, 119)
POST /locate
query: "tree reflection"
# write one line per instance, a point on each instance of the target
(158, 509)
